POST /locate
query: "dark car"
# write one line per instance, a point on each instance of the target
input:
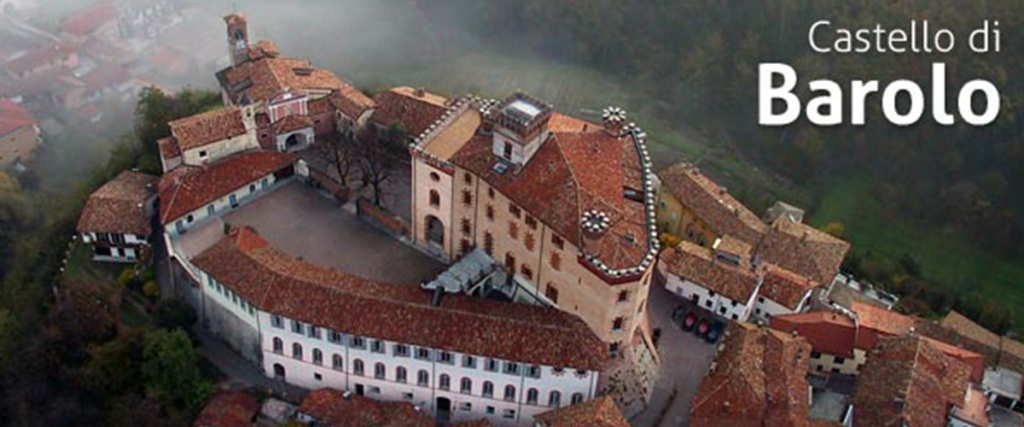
(689, 322)
(703, 327)
(678, 313)
(715, 332)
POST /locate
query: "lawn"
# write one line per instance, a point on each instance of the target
(943, 255)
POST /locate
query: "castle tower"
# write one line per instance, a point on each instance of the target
(238, 38)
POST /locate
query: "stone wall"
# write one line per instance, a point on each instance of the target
(382, 218)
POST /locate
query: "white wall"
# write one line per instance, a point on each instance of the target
(126, 252)
(221, 205)
(220, 150)
(713, 302)
(764, 307)
(283, 138)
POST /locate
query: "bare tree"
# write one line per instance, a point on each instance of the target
(379, 155)
(340, 153)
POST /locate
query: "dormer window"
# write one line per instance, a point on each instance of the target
(202, 154)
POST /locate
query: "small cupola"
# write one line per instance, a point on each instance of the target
(520, 127)
(614, 120)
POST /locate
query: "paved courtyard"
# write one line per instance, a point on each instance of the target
(684, 362)
(313, 227)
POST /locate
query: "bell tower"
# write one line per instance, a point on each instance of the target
(238, 38)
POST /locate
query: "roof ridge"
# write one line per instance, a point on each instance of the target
(572, 175)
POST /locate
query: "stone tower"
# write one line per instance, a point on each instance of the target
(238, 38)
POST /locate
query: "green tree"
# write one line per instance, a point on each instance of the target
(115, 366)
(174, 314)
(171, 369)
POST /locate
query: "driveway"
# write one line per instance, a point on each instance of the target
(684, 362)
(310, 226)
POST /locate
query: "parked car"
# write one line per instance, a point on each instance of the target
(678, 313)
(715, 332)
(702, 327)
(689, 322)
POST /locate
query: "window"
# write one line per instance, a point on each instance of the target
(513, 229)
(446, 358)
(839, 360)
(297, 351)
(314, 332)
(466, 228)
(760, 300)
(468, 362)
(278, 346)
(531, 222)
(532, 395)
(401, 350)
(491, 365)
(467, 197)
(526, 272)
(190, 218)
(422, 378)
(557, 241)
(297, 327)
(465, 406)
(379, 371)
(276, 321)
(490, 212)
(618, 324)
(507, 151)
(529, 241)
(512, 368)
(489, 243)
(463, 246)
(318, 377)
(466, 386)
(435, 177)
(488, 389)
(533, 371)
(556, 260)
(490, 193)
(510, 393)
(318, 357)
(377, 346)
(334, 337)
(444, 382)
(252, 188)
(815, 355)
(423, 353)
(357, 367)
(577, 398)
(211, 210)
(202, 154)
(490, 410)
(555, 399)
(358, 342)
(509, 414)
(623, 296)
(435, 198)
(467, 178)
(337, 362)
(514, 210)
(551, 292)
(510, 263)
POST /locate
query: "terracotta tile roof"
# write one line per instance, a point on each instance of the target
(207, 128)
(40, 57)
(228, 409)
(292, 123)
(785, 287)
(975, 409)
(263, 78)
(277, 283)
(118, 206)
(14, 117)
(187, 189)
(699, 265)
(351, 102)
(907, 382)
(975, 361)
(882, 320)
(827, 332)
(169, 148)
(413, 109)
(88, 20)
(757, 379)
(803, 250)
(105, 75)
(571, 173)
(711, 203)
(599, 412)
(971, 330)
(332, 408)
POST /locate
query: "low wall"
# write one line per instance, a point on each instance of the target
(380, 217)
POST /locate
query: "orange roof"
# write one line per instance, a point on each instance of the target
(89, 20)
(207, 128)
(785, 287)
(228, 409)
(263, 78)
(335, 408)
(118, 206)
(827, 332)
(414, 109)
(699, 265)
(803, 250)
(711, 203)
(882, 320)
(14, 117)
(599, 412)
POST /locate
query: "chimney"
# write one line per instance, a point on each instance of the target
(614, 120)
(420, 92)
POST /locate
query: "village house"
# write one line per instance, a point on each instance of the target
(413, 111)
(228, 409)
(328, 407)
(315, 327)
(19, 134)
(563, 207)
(116, 218)
(600, 412)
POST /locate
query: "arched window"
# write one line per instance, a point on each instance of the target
(278, 345)
(357, 367)
(532, 395)
(435, 198)
(466, 387)
(555, 400)
(423, 378)
(379, 371)
(488, 389)
(401, 374)
(338, 363)
(577, 398)
(318, 357)
(445, 382)
(510, 393)
(297, 351)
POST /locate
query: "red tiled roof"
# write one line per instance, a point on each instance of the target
(599, 412)
(193, 188)
(169, 148)
(975, 361)
(292, 123)
(333, 409)
(107, 74)
(228, 409)
(711, 203)
(803, 250)
(351, 102)
(118, 206)
(265, 77)
(14, 117)
(785, 287)
(907, 382)
(207, 128)
(882, 320)
(90, 19)
(758, 379)
(40, 57)
(699, 265)
(414, 111)
(278, 283)
(827, 332)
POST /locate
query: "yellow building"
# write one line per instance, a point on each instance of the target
(19, 134)
(695, 208)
